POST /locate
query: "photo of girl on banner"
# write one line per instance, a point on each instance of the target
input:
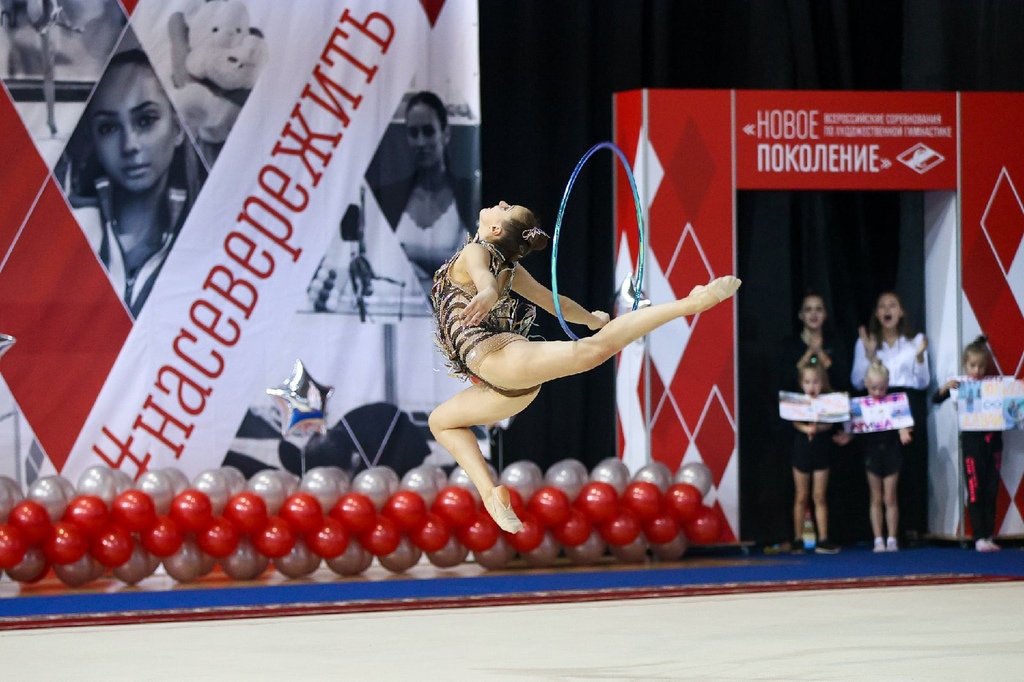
(130, 173)
(424, 178)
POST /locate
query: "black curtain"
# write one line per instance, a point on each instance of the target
(549, 70)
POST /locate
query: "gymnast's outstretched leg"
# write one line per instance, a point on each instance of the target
(523, 364)
(450, 423)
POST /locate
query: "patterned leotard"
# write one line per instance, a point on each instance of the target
(465, 346)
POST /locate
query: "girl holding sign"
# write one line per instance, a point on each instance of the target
(982, 453)
(883, 458)
(812, 454)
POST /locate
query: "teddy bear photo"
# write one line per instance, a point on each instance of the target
(216, 56)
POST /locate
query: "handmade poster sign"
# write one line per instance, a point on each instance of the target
(828, 408)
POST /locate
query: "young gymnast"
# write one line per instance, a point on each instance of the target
(982, 453)
(484, 338)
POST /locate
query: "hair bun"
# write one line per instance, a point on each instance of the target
(536, 238)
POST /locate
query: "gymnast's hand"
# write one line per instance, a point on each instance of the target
(599, 318)
(477, 310)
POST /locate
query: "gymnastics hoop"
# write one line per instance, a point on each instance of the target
(558, 228)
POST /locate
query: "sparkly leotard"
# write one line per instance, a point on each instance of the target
(465, 346)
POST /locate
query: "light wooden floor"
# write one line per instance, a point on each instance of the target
(961, 632)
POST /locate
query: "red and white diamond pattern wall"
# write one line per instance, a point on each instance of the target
(687, 386)
(992, 256)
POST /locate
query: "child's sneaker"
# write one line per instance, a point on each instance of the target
(797, 546)
(879, 545)
(986, 545)
(891, 545)
(826, 546)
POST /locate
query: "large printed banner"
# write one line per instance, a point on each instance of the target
(845, 140)
(201, 193)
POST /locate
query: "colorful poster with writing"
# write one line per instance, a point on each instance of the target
(831, 408)
(888, 413)
(991, 404)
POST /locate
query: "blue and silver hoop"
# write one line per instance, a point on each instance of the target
(638, 283)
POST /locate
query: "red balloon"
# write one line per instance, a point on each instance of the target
(574, 531)
(12, 547)
(643, 499)
(219, 539)
(516, 500)
(133, 510)
(65, 544)
(550, 505)
(164, 538)
(456, 506)
(432, 535)
(661, 529)
(192, 510)
(480, 535)
(705, 528)
(598, 501)
(406, 509)
(329, 540)
(31, 520)
(247, 511)
(530, 537)
(621, 530)
(356, 511)
(88, 512)
(684, 501)
(382, 539)
(112, 546)
(275, 539)
(303, 512)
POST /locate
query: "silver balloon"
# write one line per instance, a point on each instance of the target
(206, 563)
(452, 554)
(633, 553)
(405, 556)
(99, 481)
(545, 553)
(422, 481)
(6, 341)
(186, 564)
(140, 565)
(671, 550)
(377, 483)
(67, 486)
(299, 562)
(30, 567)
(49, 492)
(353, 561)
(496, 556)
(157, 485)
(179, 481)
(440, 477)
(568, 475)
(122, 481)
(245, 563)
(461, 479)
(325, 484)
(697, 475)
(656, 473)
(78, 572)
(269, 486)
(290, 480)
(213, 483)
(612, 471)
(235, 479)
(588, 553)
(627, 297)
(524, 476)
(10, 495)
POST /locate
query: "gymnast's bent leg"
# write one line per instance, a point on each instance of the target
(450, 423)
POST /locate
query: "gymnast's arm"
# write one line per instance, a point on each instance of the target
(474, 263)
(526, 286)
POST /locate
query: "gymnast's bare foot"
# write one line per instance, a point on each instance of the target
(714, 292)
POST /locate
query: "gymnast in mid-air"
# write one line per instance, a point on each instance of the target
(483, 334)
